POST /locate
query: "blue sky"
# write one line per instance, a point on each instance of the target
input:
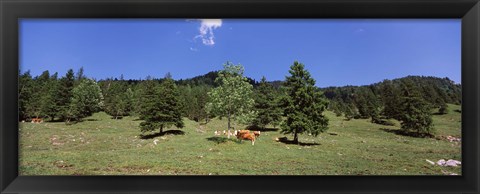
(336, 52)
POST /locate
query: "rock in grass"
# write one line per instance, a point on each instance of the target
(450, 162)
(453, 163)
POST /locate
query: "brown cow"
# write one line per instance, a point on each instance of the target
(245, 134)
(37, 120)
(241, 131)
(257, 134)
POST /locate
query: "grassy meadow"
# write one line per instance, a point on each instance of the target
(104, 146)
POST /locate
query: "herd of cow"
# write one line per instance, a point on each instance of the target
(241, 134)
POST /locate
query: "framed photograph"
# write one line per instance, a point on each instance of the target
(239, 96)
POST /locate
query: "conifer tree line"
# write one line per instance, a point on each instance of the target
(295, 104)
(384, 99)
(69, 98)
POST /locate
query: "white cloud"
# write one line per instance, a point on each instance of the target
(206, 30)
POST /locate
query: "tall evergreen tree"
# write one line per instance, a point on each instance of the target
(160, 106)
(266, 105)
(304, 104)
(367, 103)
(201, 95)
(39, 90)
(443, 108)
(187, 101)
(64, 94)
(24, 95)
(335, 106)
(233, 97)
(415, 111)
(194, 101)
(49, 107)
(80, 76)
(350, 111)
(118, 98)
(390, 96)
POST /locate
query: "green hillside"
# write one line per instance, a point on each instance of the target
(103, 146)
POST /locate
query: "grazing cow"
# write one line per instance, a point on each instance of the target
(257, 134)
(241, 131)
(37, 120)
(245, 134)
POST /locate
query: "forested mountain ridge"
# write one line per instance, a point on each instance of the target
(451, 89)
(208, 79)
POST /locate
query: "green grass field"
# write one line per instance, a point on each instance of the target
(103, 146)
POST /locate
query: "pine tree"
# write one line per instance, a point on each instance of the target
(443, 108)
(39, 91)
(305, 105)
(24, 95)
(350, 111)
(187, 101)
(415, 111)
(80, 76)
(233, 97)
(390, 96)
(148, 98)
(160, 106)
(194, 100)
(367, 103)
(64, 94)
(127, 101)
(335, 107)
(441, 101)
(118, 98)
(50, 107)
(268, 110)
(201, 95)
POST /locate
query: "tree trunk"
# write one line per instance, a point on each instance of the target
(228, 135)
(295, 137)
(161, 129)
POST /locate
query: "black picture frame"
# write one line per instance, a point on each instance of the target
(12, 10)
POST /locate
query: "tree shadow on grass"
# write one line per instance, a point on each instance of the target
(286, 141)
(72, 121)
(168, 132)
(407, 133)
(257, 128)
(220, 140)
(55, 121)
